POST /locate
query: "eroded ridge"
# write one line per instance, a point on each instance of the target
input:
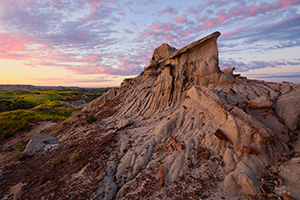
(182, 129)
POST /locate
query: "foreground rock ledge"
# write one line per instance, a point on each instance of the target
(182, 129)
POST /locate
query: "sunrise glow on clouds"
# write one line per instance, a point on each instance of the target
(97, 43)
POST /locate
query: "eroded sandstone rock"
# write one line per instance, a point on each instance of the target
(162, 52)
(124, 123)
(288, 108)
(216, 134)
(241, 183)
(40, 142)
(16, 190)
(260, 103)
(183, 94)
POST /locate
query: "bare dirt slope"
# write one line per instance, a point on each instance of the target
(182, 129)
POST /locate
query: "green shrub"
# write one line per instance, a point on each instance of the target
(56, 161)
(22, 104)
(74, 157)
(52, 104)
(90, 118)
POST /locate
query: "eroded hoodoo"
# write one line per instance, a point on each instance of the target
(182, 129)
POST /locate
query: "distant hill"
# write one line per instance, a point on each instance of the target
(32, 87)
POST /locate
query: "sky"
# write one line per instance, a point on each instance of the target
(98, 43)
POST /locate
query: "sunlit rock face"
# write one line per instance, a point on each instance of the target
(181, 103)
(162, 52)
(184, 129)
(175, 71)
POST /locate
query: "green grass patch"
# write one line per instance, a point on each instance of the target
(12, 122)
(56, 161)
(22, 108)
(74, 157)
(90, 118)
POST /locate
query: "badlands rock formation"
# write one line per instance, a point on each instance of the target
(182, 129)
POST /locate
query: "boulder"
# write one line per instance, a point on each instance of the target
(40, 142)
(239, 182)
(260, 103)
(162, 52)
(229, 70)
(124, 123)
(286, 196)
(288, 108)
(16, 190)
(219, 134)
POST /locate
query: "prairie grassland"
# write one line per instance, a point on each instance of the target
(20, 109)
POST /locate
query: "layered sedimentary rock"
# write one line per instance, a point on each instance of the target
(174, 72)
(183, 129)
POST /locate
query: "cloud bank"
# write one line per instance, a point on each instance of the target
(118, 37)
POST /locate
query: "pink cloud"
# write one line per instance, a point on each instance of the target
(9, 43)
(156, 26)
(169, 38)
(285, 4)
(49, 41)
(28, 3)
(253, 11)
(235, 11)
(228, 34)
(168, 9)
(209, 24)
(187, 33)
(29, 65)
(222, 18)
(240, 11)
(181, 19)
(144, 59)
(12, 46)
(266, 7)
(70, 80)
(167, 28)
(149, 32)
(94, 4)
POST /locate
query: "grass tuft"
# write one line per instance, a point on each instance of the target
(74, 157)
(90, 118)
(56, 161)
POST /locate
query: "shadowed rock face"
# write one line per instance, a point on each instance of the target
(183, 129)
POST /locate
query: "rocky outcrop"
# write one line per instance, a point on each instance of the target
(161, 53)
(195, 64)
(230, 117)
(260, 103)
(40, 142)
(183, 129)
(16, 190)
